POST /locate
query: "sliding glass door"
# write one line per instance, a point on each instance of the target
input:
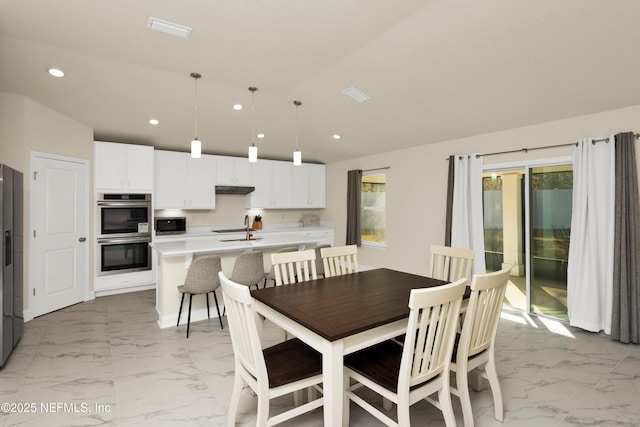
(527, 224)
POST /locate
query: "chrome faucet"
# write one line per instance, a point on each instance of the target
(249, 230)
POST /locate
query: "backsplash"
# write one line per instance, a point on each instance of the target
(230, 210)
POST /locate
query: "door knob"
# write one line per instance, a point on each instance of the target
(82, 239)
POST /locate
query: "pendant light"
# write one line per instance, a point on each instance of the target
(253, 150)
(196, 144)
(297, 155)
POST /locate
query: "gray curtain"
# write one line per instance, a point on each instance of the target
(354, 182)
(625, 322)
(450, 175)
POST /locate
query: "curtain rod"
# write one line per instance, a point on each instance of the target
(376, 169)
(541, 148)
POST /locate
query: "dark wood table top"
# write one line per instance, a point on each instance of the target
(340, 306)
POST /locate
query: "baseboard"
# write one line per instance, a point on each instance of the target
(106, 292)
(27, 315)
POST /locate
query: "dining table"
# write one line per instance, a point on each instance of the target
(340, 315)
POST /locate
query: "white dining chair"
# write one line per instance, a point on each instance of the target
(339, 260)
(271, 275)
(475, 345)
(282, 369)
(414, 371)
(319, 264)
(292, 267)
(450, 264)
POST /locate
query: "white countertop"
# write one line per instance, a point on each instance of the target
(191, 246)
(200, 232)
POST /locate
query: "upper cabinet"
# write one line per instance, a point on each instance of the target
(123, 167)
(272, 182)
(308, 186)
(233, 171)
(183, 182)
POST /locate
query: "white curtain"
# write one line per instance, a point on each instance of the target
(467, 228)
(590, 267)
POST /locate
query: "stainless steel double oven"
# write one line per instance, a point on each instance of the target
(124, 233)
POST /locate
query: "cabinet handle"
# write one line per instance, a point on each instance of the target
(82, 239)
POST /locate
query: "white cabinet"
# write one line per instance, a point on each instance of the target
(233, 171)
(308, 187)
(123, 167)
(182, 182)
(272, 182)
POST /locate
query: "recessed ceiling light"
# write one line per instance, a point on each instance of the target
(169, 28)
(238, 107)
(154, 121)
(355, 94)
(260, 135)
(336, 136)
(55, 72)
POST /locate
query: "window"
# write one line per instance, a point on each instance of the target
(373, 195)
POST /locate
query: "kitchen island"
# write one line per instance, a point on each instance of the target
(174, 259)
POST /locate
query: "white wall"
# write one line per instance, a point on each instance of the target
(26, 126)
(230, 210)
(416, 181)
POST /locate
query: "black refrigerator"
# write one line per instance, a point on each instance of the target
(11, 279)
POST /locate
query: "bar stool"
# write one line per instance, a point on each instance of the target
(202, 278)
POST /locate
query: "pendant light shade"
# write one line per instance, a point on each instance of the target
(196, 144)
(297, 154)
(253, 153)
(196, 148)
(253, 150)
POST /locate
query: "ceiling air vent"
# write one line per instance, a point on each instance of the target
(169, 28)
(354, 93)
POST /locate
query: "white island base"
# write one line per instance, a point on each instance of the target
(174, 259)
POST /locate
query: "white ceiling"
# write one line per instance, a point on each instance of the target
(435, 69)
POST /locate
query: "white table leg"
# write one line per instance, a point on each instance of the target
(332, 373)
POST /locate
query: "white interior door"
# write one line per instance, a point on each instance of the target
(59, 228)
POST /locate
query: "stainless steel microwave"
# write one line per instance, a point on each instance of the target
(173, 225)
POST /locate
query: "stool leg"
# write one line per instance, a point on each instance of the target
(189, 318)
(180, 311)
(217, 308)
(207, 297)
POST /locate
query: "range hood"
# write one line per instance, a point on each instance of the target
(233, 189)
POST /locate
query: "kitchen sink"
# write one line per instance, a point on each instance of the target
(230, 230)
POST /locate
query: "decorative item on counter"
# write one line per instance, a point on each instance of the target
(257, 222)
(310, 220)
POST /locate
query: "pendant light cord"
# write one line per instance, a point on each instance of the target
(196, 76)
(253, 90)
(297, 104)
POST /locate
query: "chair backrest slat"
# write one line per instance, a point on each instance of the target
(450, 264)
(292, 267)
(339, 260)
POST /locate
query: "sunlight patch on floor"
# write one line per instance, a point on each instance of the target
(556, 327)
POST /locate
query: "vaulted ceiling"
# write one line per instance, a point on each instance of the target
(434, 70)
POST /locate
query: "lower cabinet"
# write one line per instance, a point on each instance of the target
(124, 282)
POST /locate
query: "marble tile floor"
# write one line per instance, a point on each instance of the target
(106, 362)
